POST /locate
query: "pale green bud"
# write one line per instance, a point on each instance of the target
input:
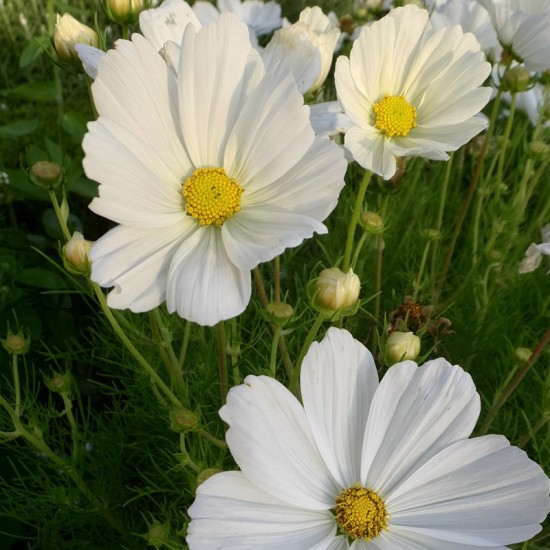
(75, 254)
(183, 420)
(372, 222)
(279, 313)
(67, 33)
(124, 12)
(59, 383)
(402, 346)
(16, 344)
(336, 289)
(46, 174)
(516, 79)
(523, 354)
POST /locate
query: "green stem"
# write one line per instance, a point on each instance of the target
(277, 278)
(74, 426)
(132, 349)
(209, 437)
(222, 362)
(357, 209)
(504, 144)
(184, 344)
(274, 345)
(309, 339)
(59, 215)
(417, 283)
(358, 249)
(514, 383)
(16, 385)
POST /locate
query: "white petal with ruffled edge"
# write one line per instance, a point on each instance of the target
(270, 439)
(338, 381)
(204, 286)
(230, 512)
(416, 412)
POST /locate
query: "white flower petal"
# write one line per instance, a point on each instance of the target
(416, 412)
(205, 12)
(130, 81)
(90, 57)
(271, 134)
(271, 441)
(231, 512)
(167, 22)
(371, 150)
(218, 69)
(338, 381)
(135, 261)
(258, 234)
(203, 284)
(323, 163)
(328, 118)
(478, 492)
(356, 104)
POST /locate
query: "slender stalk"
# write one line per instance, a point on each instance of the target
(184, 345)
(209, 437)
(16, 385)
(357, 208)
(293, 385)
(133, 350)
(514, 383)
(505, 143)
(273, 357)
(277, 279)
(59, 215)
(158, 340)
(74, 426)
(541, 422)
(222, 362)
(417, 283)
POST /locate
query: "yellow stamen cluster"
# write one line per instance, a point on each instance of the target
(210, 196)
(395, 116)
(361, 513)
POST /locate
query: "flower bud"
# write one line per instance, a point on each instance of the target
(124, 12)
(46, 174)
(401, 346)
(205, 474)
(157, 534)
(516, 79)
(539, 150)
(183, 420)
(523, 354)
(279, 313)
(75, 254)
(372, 222)
(431, 234)
(16, 344)
(68, 32)
(336, 289)
(59, 383)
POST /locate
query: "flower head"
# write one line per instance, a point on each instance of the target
(533, 255)
(210, 166)
(365, 465)
(523, 28)
(410, 91)
(67, 33)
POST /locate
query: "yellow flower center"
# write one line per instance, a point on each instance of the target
(395, 116)
(211, 197)
(361, 513)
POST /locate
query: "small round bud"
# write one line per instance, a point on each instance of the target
(75, 254)
(59, 383)
(183, 420)
(372, 222)
(46, 174)
(495, 255)
(67, 33)
(124, 12)
(16, 344)
(432, 234)
(157, 534)
(336, 289)
(402, 346)
(279, 313)
(205, 474)
(523, 354)
(539, 150)
(516, 79)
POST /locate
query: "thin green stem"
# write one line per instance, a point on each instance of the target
(184, 344)
(156, 379)
(514, 383)
(222, 362)
(274, 345)
(505, 143)
(357, 209)
(16, 385)
(417, 283)
(358, 249)
(59, 215)
(293, 385)
(277, 279)
(74, 426)
(209, 437)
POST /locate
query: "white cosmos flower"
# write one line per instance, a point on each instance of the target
(389, 461)
(533, 255)
(305, 47)
(210, 168)
(524, 27)
(410, 90)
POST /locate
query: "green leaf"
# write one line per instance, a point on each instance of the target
(42, 278)
(18, 129)
(34, 49)
(74, 124)
(19, 181)
(35, 91)
(84, 187)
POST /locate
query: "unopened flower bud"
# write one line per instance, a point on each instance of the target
(16, 344)
(523, 354)
(183, 420)
(402, 346)
(372, 222)
(124, 12)
(539, 149)
(46, 174)
(75, 254)
(59, 383)
(336, 289)
(516, 79)
(157, 534)
(432, 234)
(206, 473)
(279, 313)
(67, 33)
